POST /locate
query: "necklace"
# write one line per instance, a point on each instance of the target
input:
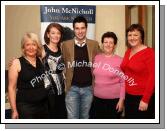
(33, 63)
(53, 48)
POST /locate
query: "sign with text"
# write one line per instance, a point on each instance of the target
(65, 14)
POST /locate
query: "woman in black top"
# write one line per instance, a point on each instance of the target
(27, 95)
(53, 64)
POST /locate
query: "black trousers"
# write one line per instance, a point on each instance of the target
(56, 106)
(132, 104)
(104, 109)
(32, 110)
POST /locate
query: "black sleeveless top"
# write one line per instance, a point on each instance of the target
(30, 81)
(30, 76)
(53, 63)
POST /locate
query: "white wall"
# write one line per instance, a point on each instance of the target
(111, 18)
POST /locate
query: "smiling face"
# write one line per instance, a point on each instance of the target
(134, 38)
(108, 45)
(54, 35)
(80, 31)
(30, 48)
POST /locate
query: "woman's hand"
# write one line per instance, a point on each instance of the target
(12, 77)
(143, 106)
(15, 115)
(120, 105)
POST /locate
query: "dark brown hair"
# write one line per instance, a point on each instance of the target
(137, 27)
(109, 35)
(51, 25)
(80, 19)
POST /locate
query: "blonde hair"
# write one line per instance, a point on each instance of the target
(34, 37)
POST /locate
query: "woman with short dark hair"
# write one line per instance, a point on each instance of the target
(109, 87)
(139, 64)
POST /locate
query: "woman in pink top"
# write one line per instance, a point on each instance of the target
(109, 87)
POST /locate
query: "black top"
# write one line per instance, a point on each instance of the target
(82, 76)
(51, 53)
(52, 62)
(30, 76)
(30, 84)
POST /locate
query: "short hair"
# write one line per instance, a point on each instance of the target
(137, 27)
(51, 25)
(34, 37)
(80, 19)
(109, 35)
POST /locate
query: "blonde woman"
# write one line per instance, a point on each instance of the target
(27, 95)
(54, 81)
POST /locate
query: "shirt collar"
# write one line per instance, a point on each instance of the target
(80, 44)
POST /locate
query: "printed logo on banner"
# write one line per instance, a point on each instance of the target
(64, 15)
